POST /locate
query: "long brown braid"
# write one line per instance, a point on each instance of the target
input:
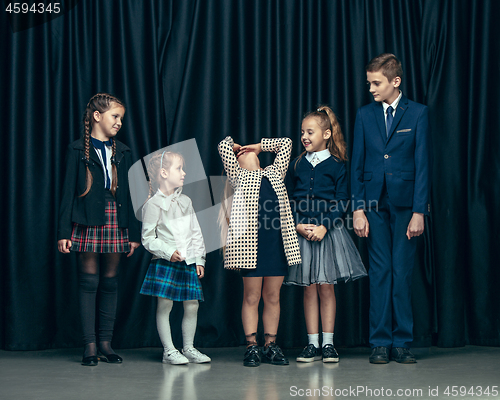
(327, 120)
(156, 164)
(101, 102)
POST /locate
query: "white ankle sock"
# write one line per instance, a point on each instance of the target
(313, 339)
(327, 338)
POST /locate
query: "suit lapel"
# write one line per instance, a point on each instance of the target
(402, 106)
(378, 113)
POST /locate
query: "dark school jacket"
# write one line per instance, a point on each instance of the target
(90, 209)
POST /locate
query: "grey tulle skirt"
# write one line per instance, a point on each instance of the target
(329, 261)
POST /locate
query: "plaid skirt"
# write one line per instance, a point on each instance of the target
(176, 281)
(107, 238)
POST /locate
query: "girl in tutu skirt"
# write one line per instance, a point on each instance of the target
(97, 220)
(170, 231)
(317, 187)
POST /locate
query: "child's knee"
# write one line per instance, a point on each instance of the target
(164, 305)
(191, 306)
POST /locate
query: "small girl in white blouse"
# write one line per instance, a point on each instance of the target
(170, 231)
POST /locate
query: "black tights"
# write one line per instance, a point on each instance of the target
(98, 276)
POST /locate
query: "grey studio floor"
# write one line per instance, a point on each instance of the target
(467, 372)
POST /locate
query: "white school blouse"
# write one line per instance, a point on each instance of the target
(169, 223)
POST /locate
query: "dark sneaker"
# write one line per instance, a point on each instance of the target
(252, 356)
(309, 354)
(380, 355)
(274, 355)
(329, 353)
(402, 355)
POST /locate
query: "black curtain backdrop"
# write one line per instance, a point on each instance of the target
(250, 69)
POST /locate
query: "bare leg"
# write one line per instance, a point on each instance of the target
(311, 309)
(252, 289)
(328, 307)
(271, 313)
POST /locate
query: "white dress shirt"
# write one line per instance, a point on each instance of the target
(317, 156)
(169, 223)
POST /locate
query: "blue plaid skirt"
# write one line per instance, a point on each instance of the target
(176, 281)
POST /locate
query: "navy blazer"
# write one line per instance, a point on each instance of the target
(402, 157)
(90, 209)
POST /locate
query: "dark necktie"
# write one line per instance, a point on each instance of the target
(100, 146)
(389, 120)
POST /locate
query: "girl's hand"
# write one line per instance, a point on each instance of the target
(200, 271)
(317, 234)
(236, 147)
(361, 225)
(176, 257)
(133, 246)
(305, 229)
(64, 245)
(250, 148)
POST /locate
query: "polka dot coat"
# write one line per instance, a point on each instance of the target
(241, 243)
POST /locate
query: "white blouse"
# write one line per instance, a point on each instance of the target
(169, 223)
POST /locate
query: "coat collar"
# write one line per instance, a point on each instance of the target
(120, 149)
(165, 202)
(380, 119)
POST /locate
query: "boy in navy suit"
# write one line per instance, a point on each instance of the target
(390, 192)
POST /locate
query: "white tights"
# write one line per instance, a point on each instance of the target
(188, 322)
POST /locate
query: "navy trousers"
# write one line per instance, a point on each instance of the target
(391, 257)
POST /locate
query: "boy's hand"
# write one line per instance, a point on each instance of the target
(176, 257)
(361, 225)
(250, 148)
(416, 226)
(305, 229)
(133, 246)
(200, 271)
(317, 234)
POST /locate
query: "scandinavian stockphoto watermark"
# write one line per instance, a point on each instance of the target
(207, 195)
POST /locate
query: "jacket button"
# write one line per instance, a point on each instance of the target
(386, 156)
(119, 205)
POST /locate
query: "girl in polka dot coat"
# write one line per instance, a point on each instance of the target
(261, 240)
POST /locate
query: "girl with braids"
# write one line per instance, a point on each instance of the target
(96, 220)
(317, 187)
(170, 231)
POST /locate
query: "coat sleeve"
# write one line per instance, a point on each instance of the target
(68, 194)
(357, 165)
(422, 164)
(150, 217)
(283, 149)
(134, 227)
(229, 160)
(197, 238)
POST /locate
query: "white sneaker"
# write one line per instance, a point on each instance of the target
(194, 356)
(174, 357)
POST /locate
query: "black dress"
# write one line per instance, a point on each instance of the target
(271, 259)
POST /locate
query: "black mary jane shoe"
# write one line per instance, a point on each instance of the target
(252, 356)
(111, 358)
(90, 361)
(274, 355)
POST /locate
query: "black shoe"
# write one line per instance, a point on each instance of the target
(111, 358)
(329, 353)
(380, 355)
(309, 354)
(402, 355)
(90, 361)
(252, 356)
(274, 355)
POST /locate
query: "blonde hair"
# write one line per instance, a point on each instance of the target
(101, 102)
(158, 162)
(327, 120)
